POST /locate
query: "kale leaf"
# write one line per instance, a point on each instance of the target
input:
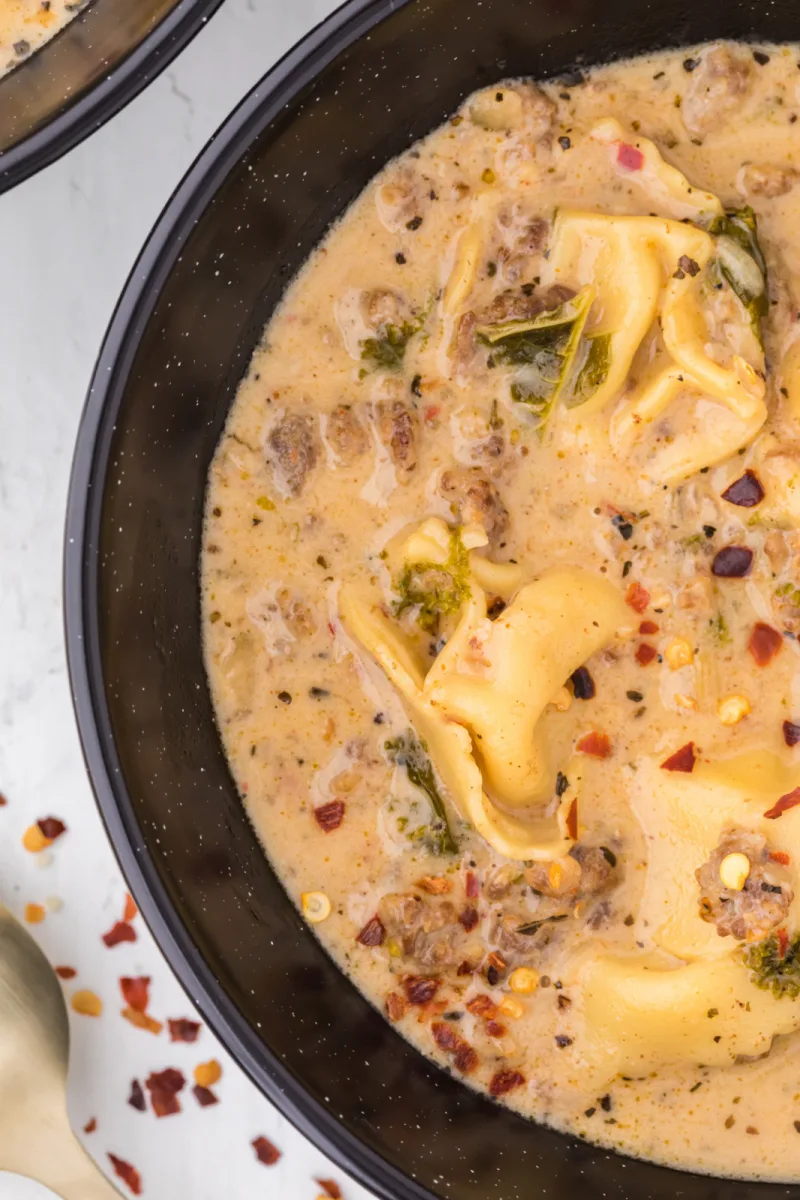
(407, 751)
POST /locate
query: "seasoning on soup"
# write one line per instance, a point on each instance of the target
(501, 596)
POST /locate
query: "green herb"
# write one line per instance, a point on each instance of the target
(535, 926)
(553, 359)
(407, 751)
(774, 966)
(740, 261)
(435, 589)
(387, 353)
(719, 627)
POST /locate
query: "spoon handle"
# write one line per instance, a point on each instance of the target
(69, 1171)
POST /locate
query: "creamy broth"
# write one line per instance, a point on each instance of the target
(501, 596)
(25, 26)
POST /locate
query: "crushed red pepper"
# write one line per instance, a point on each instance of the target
(682, 760)
(637, 597)
(572, 815)
(266, 1153)
(595, 744)
(136, 991)
(505, 1081)
(181, 1029)
(780, 856)
(136, 1098)
(420, 989)
(51, 828)
(122, 931)
(128, 1174)
(204, 1096)
(90, 1125)
(465, 1059)
(396, 1006)
(130, 908)
(330, 1188)
(330, 816)
(630, 157)
(482, 1006)
(648, 628)
(373, 932)
(468, 918)
(645, 654)
(472, 886)
(791, 733)
(141, 1020)
(764, 644)
(65, 972)
(164, 1087)
(790, 800)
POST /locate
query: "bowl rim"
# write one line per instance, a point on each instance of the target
(164, 245)
(107, 97)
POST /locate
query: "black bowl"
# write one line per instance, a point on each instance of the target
(86, 74)
(375, 76)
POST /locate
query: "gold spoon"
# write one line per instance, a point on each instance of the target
(35, 1135)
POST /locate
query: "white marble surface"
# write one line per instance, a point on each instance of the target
(68, 238)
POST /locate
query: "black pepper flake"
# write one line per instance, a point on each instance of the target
(761, 58)
(695, 1086)
(22, 47)
(659, 74)
(691, 64)
(605, 1103)
(609, 856)
(791, 733)
(322, 561)
(562, 783)
(745, 492)
(528, 289)
(590, 1111)
(686, 266)
(564, 142)
(498, 96)
(623, 527)
(562, 1041)
(732, 562)
(216, 512)
(796, 1125)
(712, 1012)
(318, 693)
(626, 568)
(564, 1002)
(709, 530)
(636, 697)
(416, 385)
(583, 684)
(379, 719)
(284, 698)
(718, 1038)
(414, 223)
(492, 975)
(773, 888)
(400, 258)
(629, 920)
(491, 269)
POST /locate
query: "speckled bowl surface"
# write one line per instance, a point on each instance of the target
(377, 75)
(86, 74)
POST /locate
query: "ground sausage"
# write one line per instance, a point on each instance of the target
(346, 435)
(763, 902)
(717, 87)
(398, 426)
(514, 304)
(474, 499)
(292, 449)
(763, 179)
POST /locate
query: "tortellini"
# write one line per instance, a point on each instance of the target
(691, 1000)
(478, 705)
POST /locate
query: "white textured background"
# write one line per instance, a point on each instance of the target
(68, 238)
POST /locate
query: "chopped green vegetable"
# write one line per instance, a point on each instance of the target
(387, 353)
(534, 926)
(719, 627)
(407, 751)
(435, 589)
(774, 965)
(741, 263)
(555, 360)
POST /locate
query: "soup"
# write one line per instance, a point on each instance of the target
(501, 601)
(25, 25)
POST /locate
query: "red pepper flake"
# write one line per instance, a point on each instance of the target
(572, 818)
(121, 932)
(373, 932)
(468, 918)
(181, 1029)
(141, 1020)
(90, 1125)
(648, 628)
(128, 1174)
(791, 733)
(130, 908)
(790, 800)
(629, 157)
(266, 1153)
(746, 491)
(780, 856)
(465, 968)
(765, 642)
(51, 828)
(445, 1036)
(732, 562)
(637, 597)
(466, 1059)
(330, 1188)
(330, 816)
(432, 412)
(783, 942)
(496, 1029)
(136, 1098)
(204, 1096)
(65, 972)
(482, 1006)
(595, 744)
(505, 1081)
(420, 989)
(136, 991)
(396, 1006)
(472, 886)
(3, 800)
(681, 760)
(164, 1087)
(645, 654)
